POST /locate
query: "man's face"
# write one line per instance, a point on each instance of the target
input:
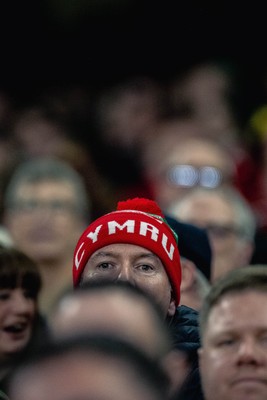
(82, 376)
(233, 357)
(229, 248)
(198, 162)
(44, 222)
(115, 312)
(136, 265)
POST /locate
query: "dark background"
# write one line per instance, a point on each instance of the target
(98, 41)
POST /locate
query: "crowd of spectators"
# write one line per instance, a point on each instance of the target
(68, 156)
(142, 136)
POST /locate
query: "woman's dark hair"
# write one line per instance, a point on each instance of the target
(19, 270)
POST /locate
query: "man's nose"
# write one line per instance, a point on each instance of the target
(125, 273)
(249, 351)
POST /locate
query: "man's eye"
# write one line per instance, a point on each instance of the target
(104, 265)
(225, 342)
(146, 267)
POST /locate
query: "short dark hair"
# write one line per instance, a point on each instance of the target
(135, 293)
(48, 168)
(147, 371)
(18, 270)
(251, 277)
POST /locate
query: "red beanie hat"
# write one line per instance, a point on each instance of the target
(136, 221)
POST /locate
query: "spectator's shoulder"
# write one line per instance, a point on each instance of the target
(184, 328)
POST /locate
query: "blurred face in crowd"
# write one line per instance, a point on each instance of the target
(17, 312)
(113, 311)
(136, 265)
(82, 376)
(44, 221)
(233, 357)
(210, 211)
(175, 169)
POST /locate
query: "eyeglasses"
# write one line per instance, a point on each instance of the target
(31, 206)
(186, 175)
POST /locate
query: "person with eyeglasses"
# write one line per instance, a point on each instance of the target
(46, 205)
(229, 221)
(181, 158)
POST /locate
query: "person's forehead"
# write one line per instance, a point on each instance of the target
(111, 296)
(48, 186)
(235, 306)
(124, 250)
(122, 314)
(212, 206)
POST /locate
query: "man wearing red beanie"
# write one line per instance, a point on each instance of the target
(136, 244)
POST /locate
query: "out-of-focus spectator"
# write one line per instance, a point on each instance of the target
(181, 157)
(253, 176)
(46, 207)
(196, 257)
(44, 130)
(254, 170)
(125, 115)
(207, 93)
(213, 93)
(38, 132)
(89, 367)
(119, 309)
(129, 109)
(21, 325)
(229, 221)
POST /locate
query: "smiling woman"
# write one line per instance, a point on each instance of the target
(21, 326)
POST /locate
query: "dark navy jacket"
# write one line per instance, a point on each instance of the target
(185, 334)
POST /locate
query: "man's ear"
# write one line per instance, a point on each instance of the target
(188, 274)
(172, 308)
